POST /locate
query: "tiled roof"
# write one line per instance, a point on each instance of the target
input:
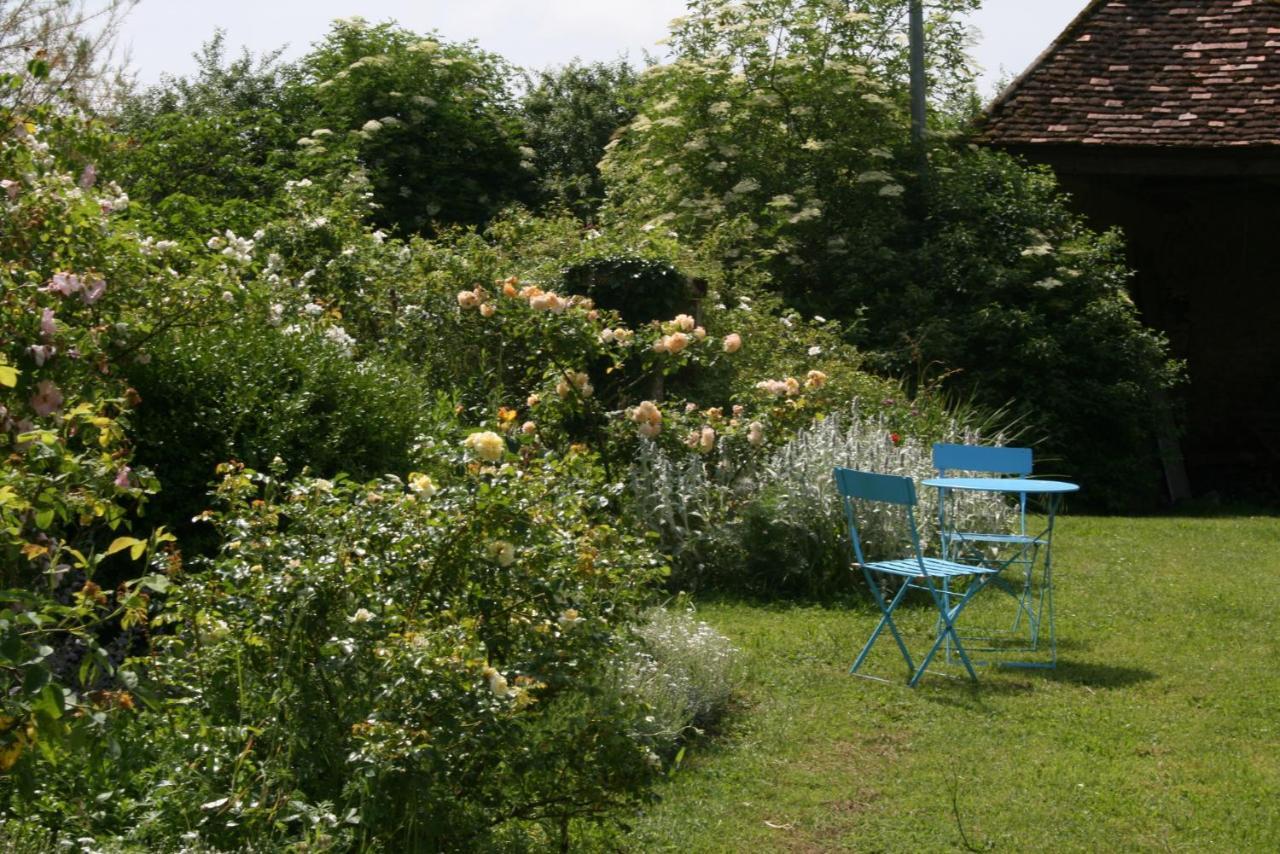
(1164, 73)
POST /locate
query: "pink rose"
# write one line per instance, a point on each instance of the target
(93, 290)
(47, 399)
(48, 328)
(64, 284)
(122, 477)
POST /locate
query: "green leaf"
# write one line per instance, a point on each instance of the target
(34, 678)
(50, 704)
(158, 583)
(119, 544)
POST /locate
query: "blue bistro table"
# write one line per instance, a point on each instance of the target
(1028, 552)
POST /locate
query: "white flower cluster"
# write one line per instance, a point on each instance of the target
(116, 199)
(341, 338)
(238, 249)
(151, 246)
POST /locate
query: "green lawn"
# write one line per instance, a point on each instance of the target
(1159, 729)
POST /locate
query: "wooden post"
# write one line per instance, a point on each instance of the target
(918, 108)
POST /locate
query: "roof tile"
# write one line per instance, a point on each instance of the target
(1119, 72)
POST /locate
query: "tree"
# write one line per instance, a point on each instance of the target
(434, 124)
(213, 150)
(66, 45)
(781, 133)
(793, 115)
(570, 114)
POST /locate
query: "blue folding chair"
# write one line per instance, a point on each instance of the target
(989, 460)
(987, 547)
(934, 575)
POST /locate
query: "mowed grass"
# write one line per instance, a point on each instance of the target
(1159, 729)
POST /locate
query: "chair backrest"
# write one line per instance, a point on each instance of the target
(983, 458)
(986, 458)
(875, 487)
(887, 488)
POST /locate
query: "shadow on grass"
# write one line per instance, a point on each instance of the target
(960, 692)
(1091, 675)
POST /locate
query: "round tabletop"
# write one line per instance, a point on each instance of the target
(1030, 486)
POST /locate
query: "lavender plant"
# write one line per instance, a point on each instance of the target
(799, 475)
(770, 522)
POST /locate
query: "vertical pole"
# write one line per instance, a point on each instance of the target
(917, 73)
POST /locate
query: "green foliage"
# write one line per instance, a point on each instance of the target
(248, 391)
(790, 116)
(213, 150)
(778, 138)
(1030, 308)
(433, 123)
(79, 296)
(639, 290)
(570, 114)
(426, 666)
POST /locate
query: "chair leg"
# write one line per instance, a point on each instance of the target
(885, 619)
(1028, 565)
(949, 616)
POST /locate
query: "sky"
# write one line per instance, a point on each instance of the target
(161, 35)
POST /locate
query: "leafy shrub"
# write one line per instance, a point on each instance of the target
(392, 665)
(638, 289)
(79, 295)
(1031, 307)
(434, 123)
(215, 149)
(252, 392)
(790, 116)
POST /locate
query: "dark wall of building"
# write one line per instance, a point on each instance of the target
(1207, 256)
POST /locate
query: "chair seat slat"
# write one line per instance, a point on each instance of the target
(1019, 539)
(933, 566)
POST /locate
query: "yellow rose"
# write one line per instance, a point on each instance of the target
(486, 445)
(422, 485)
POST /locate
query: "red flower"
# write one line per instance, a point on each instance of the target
(895, 438)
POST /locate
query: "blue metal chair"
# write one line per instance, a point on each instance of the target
(987, 459)
(933, 575)
(987, 547)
